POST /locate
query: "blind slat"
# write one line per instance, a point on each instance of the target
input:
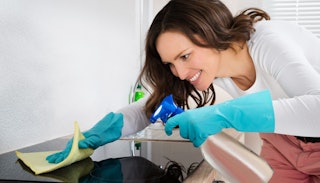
(303, 12)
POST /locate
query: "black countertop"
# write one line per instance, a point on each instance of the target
(125, 169)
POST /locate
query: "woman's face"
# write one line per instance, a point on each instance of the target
(198, 65)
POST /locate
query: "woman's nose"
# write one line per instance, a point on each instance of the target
(181, 71)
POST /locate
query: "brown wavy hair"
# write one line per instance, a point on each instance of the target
(212, 21)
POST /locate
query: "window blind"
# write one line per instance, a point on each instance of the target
(303, 12)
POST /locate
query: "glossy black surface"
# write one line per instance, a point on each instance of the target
(125, 169)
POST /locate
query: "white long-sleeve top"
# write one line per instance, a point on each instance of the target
(287, 62)
(134, 117)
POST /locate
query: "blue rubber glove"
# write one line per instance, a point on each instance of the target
(105, 131)
(249, 113)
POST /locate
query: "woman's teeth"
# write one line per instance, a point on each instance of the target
(195, 77)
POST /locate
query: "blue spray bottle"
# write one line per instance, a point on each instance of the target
(165, 110)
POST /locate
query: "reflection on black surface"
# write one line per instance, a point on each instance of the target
(115, 170)
(129, 170)
(70, 173)
(107, 171)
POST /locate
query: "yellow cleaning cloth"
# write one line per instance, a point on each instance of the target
(37, 162)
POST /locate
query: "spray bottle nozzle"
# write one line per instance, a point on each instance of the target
(165, 110)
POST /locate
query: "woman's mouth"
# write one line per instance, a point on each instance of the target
(195, 77)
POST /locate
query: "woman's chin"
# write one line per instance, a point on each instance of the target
(202, 87)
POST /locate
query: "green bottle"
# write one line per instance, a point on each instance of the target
(138, 93)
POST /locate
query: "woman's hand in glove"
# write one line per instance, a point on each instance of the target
(249, 113)
(60, 156)
(105, 131)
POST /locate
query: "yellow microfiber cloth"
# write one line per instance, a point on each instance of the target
(37, 162)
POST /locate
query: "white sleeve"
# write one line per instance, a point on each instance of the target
(134, 117)
(291, 56)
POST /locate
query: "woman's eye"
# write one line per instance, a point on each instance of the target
(185, 57)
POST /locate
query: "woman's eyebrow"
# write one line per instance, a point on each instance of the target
(180, 53)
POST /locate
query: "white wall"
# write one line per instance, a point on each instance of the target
(61, 61)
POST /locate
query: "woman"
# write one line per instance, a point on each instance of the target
(271, 68)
